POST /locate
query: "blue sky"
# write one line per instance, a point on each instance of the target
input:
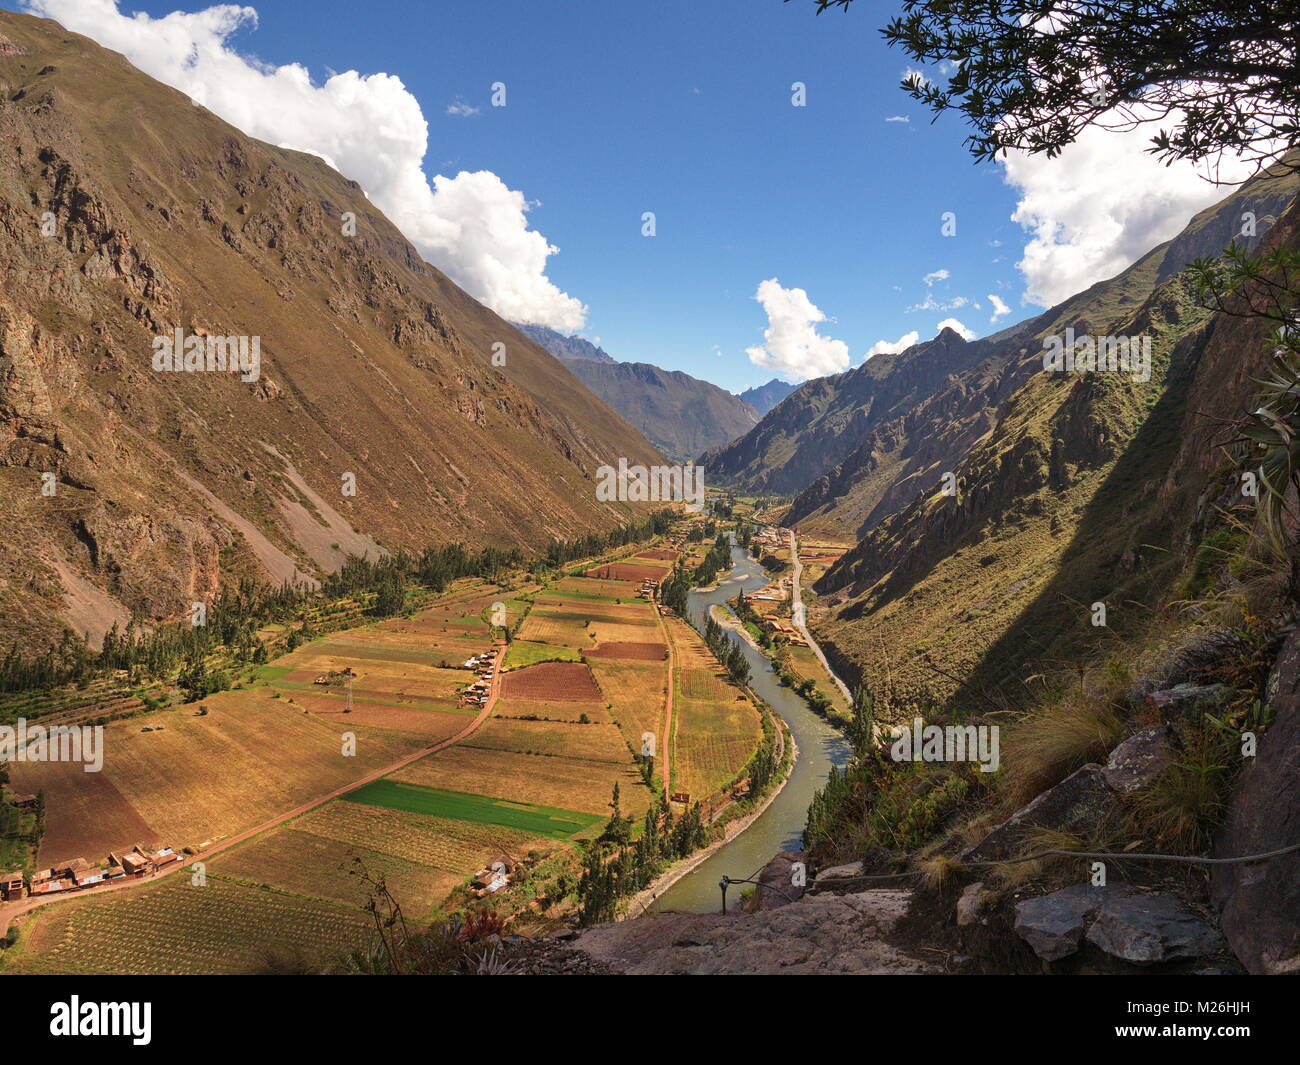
(683, 109)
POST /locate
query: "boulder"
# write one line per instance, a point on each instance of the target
(1054, 925)
(1137, 761)
(1148, 929)
(1131, 925)
(839, 872)
(1259, 903)
(1078, 804)
(818, 935)
(776, 885)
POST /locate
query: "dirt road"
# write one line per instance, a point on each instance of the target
(797, 617)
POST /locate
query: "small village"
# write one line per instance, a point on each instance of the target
(78, 874)
(484, 665)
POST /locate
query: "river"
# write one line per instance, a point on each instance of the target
(780, 826)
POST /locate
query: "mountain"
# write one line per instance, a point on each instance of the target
(765, 397)
(1068, 489)
(568, 349)
(816, 427)
(680, 414)
(127, 212)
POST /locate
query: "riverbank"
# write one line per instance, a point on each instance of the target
(643, 899)
(777, 822)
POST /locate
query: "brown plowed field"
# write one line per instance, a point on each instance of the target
(564, 681)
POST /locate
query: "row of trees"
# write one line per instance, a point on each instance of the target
(562, 551)
(727, 651)
(231, 621)
(674, 590)
(615, 866)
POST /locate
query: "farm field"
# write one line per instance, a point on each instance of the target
(307, 864)
(175, 928)
(585, 677)
(551, 710)
(599, 743)
(805, 664)
(628, 651)
(545, 780)
(547, 625)
(524, 653)
(535, 819)
(591, 588)
(628, 571)
(715, 728)
(561, 681)
(422, 857)
(195, 778)
(636, 692)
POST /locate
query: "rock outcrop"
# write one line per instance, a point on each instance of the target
(1076, 805)
(818, 934)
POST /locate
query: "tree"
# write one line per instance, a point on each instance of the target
(1031, 75)
(862, 725)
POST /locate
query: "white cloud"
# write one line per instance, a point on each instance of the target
(932, 304)
(791, 344)
(898, 118)
(956, 327)
(936, 275)
(999, 308)
(370, 128)
(893, 347)
(460, 109)
(1099, 206)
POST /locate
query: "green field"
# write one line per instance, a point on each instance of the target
(546, 821)
(526, 653)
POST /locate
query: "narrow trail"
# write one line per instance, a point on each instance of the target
(797, 617)
(13, 910)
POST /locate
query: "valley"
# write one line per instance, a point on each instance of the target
(428, 789)
(469, 514)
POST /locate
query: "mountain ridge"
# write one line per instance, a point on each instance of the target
(680, 414)
(373, 364)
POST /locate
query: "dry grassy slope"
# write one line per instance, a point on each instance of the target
(1081, 490)
(373, 362)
